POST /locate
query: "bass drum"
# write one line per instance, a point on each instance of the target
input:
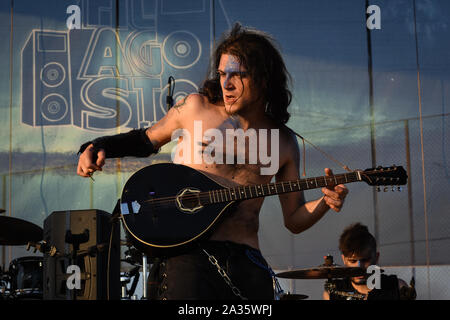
(26, 275)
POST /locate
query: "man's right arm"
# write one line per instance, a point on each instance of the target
(138, 143)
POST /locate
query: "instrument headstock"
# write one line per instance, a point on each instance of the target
(385, 176)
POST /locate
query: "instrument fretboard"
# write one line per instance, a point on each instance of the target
(269, 189)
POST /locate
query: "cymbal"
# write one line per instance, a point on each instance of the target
(15, 231)
(323, 273)
(289, 296)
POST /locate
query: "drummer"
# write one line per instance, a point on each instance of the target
(359, 249)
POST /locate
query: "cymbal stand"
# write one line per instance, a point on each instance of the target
(144, 276)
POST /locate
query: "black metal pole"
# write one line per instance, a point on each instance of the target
(410, 202)
(372, 123)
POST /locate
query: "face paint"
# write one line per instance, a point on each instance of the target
(231, 68)
(235, 84)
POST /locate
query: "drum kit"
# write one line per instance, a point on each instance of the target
(23, 280)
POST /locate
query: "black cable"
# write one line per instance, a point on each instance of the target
(171, 89)
(109, 261)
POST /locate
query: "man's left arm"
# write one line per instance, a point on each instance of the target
(298, 214)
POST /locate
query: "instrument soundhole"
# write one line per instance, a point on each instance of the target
(188, 200)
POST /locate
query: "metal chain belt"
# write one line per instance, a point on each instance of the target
(224, 275)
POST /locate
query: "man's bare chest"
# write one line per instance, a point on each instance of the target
(225, 144)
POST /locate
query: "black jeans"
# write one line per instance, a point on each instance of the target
(191, 276)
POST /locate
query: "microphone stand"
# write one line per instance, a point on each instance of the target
(169, 98)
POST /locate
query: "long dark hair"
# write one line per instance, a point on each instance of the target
(258, 53)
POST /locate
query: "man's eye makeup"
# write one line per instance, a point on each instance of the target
(241, 74)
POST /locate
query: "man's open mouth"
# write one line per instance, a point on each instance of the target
(230, 98)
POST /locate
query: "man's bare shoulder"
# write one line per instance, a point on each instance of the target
(194, 107)
(180, 116)
(288, 139)
(191, 103)
(288, 147)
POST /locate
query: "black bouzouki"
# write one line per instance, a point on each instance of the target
(168, 206)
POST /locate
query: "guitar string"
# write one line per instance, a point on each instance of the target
(263, 186)
(206, 194)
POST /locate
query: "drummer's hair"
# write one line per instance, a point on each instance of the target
(355, 239)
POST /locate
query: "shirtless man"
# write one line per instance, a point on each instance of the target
(248, 91)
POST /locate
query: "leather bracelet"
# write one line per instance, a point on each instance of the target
(133, 143)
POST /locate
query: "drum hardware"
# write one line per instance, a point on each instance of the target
(144, 276)
(330, 287)
(328, 261)
(52, 251)
(290, 296)
(323, 273)
(409, 292)
(125, 278)
(133, 257)
(42, 247)
(25, 277)
(5, 281)
(140, 261)
(327, 270)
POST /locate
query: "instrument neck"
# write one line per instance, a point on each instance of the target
(269, 189)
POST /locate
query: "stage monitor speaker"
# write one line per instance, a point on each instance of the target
(89, 232)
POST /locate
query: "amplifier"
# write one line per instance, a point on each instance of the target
(88, 233)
